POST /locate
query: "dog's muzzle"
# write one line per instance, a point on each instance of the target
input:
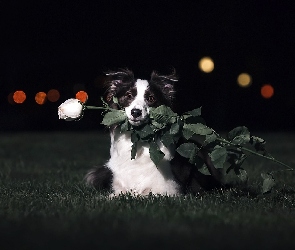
(137, 115)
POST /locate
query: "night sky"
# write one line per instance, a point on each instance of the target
(67, 45)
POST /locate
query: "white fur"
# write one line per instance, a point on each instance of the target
(139, 176)
(138, 103)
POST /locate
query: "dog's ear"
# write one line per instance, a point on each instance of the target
(166, 83)
(115, 80)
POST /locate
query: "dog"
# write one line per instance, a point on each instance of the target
(140, 176)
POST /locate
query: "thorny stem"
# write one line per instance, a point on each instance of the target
(255, 153)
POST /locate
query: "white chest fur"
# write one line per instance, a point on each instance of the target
(140, 175)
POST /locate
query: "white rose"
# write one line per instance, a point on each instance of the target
(71, 109)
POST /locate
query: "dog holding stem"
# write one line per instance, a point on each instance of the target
(174, 175)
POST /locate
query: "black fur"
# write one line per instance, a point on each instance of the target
(100, 178)
(189, 178)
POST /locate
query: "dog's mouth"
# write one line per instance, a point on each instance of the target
(137, 116)
(138, 121)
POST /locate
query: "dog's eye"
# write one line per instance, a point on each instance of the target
(151, 99)
(128, 95)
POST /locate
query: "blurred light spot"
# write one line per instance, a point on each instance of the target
(244, 80)
(206, 64)
(40, 98)
(82, 96)
(267, 91)
(53, 95)
(10, 98)
(19, 96)
(77, 87)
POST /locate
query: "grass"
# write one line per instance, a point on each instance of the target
(44, 203)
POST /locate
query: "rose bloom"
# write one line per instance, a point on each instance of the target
(71, 109)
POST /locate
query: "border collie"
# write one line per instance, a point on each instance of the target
(141, 176)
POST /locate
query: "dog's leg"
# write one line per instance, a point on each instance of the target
(183, 173)
(191, 179)
(188, 176)
(215, 173)
(100, 178)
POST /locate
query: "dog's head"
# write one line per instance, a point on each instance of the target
(137, 96)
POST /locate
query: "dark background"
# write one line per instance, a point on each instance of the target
(58, 44)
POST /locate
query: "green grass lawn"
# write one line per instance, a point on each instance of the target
(44, 203)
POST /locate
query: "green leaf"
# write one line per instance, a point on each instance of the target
(145, 132)
(210, 138)
(187, 150)
(204, 170)
(114, 117)
(186, 133)
(185, 116)
(134, 137)
(115, 100)
(239, 135)
(242, 174)
(194, 120)
(193, 117)
(156, 154)
(157, 126)
(125, 126)
(218, 156)
(163, 115)
(133, 150)
(134, 140)
(195, 112)
(174, 128)
(268, 182)
(167, 139)
(199, 129)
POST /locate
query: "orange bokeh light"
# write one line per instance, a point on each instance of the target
(40, 97)
(53, 95)
(82, 96)
(10, 98)
(267, 91)
(19, 96)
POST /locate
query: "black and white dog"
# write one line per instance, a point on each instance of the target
(174, 175)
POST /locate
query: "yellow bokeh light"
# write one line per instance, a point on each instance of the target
(244, 80)
(206, 64)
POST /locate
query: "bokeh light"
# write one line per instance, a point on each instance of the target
(53, 95)
(267, 91)
(40, 98)
(82, 96)
(244, 80)
(10, 98)
(206, 64)
(19, 96)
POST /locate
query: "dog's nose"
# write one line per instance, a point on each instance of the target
(135, 113)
